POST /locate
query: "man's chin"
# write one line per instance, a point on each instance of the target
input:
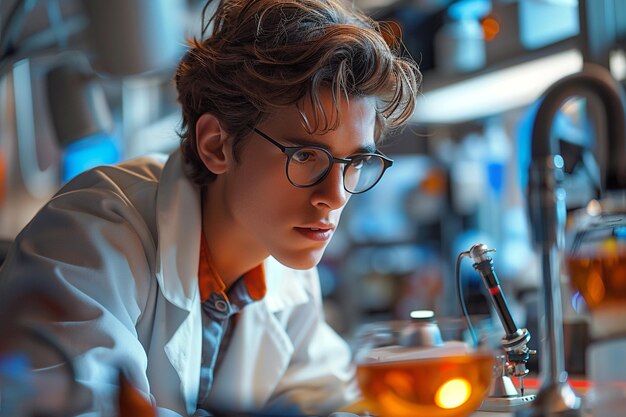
(300, 261)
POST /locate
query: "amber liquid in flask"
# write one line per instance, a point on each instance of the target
(596, 265)
(448, 386)
(601, 279)
(596, 262)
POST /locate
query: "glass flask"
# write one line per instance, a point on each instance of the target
(596, 264)
(415, 368)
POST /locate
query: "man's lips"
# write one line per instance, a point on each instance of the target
(319, 226)
(317, 232)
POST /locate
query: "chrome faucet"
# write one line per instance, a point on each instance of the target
(546, 199)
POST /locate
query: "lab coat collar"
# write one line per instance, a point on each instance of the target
(285, 287)
(179, 224)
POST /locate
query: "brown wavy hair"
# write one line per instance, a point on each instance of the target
(264, 55)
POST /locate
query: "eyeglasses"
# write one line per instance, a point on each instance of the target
(309, 165)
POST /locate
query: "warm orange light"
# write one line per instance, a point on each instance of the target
(454, 393)
(491, 27)
(434, 183)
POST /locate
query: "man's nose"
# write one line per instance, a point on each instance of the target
(331, 192)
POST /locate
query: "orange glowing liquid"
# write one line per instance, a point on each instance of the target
(601, 280)
(439, 387)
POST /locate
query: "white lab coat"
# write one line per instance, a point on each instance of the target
(119, 247)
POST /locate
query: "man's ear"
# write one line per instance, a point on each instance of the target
(212, 144)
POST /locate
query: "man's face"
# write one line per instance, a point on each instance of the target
(274, 217)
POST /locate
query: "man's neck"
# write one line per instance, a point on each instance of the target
(233, 253)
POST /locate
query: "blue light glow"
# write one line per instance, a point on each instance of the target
(469, 9)
(100, 149)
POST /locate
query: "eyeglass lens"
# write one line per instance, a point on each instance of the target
(308, 165)
(363, 173)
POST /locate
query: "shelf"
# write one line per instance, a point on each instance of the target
(495, 92)
(496, 89)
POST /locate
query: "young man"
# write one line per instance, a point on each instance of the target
(197, 274)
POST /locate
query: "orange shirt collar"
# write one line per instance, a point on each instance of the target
(210, 282)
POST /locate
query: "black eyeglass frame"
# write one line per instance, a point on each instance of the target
(291, 150)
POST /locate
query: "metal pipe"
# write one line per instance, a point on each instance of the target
(596, 81)
(547, 211)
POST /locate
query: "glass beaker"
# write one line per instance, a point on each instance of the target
(443, 377)
(596, 263)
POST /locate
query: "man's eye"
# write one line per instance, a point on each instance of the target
(360, 161)
(305, 155)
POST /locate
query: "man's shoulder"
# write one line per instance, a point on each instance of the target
(148, 167)
(109, 192)
(144, 170)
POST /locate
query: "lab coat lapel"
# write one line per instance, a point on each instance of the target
(285, 286)
(244, 381)
(179, 226)
(184, 352)
(260, 350)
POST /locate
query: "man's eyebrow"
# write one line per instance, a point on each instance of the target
(306, 142)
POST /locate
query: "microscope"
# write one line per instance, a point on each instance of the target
(504, 396)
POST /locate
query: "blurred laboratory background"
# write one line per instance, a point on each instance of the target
(89, 82)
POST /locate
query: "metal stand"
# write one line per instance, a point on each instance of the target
(507, 404)
(504, 396)
(554, 400)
